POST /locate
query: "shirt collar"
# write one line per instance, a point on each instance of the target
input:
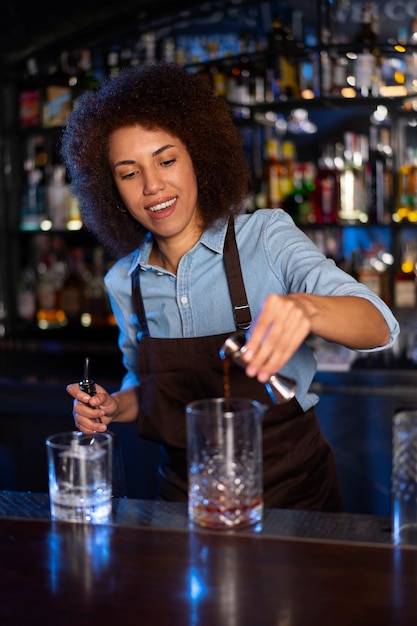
(213, 238)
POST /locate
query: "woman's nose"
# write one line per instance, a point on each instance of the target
(152, 182)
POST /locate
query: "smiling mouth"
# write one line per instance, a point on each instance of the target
(161, 206)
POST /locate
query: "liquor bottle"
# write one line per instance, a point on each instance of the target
(298, 202)
(282, 49)
(325, 73)
(33, 209)
(85, 80)
(97, 304)
(403, 205)
(365, 65)
(412, 38)
(125, 58)
(412, 213)
(30, 97)
(72, 296)
(57, 198)
(239, 84)
(393, 78)
(339, 74)
(241, 89)
(411, 60)
(149, 44)
(257, 85)
(50, 276)
(307, 191)
(168, 50)
(405, 278)
(309, 75)
(113, 62)
(218, 78)
(378, 177)
(297, 27)
(374, 273)
(271, 175)
(291, 203)
(74, 214)
(352, 180)
(286, 181)
(368, 274)
(278, 171)
(57, 99)
(26, 295)
(326, 196)
(251, 71)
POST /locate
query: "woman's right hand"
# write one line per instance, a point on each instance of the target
(92, 413)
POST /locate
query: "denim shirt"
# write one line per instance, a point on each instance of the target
(276, 257)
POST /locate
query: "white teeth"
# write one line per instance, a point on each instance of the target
(162, 205)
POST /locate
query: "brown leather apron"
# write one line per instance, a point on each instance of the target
(298, 464)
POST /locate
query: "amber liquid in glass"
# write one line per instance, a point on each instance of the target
(226, 382)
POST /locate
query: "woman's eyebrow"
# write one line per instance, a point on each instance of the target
(162, 149)
(125, 162)
(132, 162)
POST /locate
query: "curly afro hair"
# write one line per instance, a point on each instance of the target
(163, 96)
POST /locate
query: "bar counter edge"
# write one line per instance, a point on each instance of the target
(154, 514)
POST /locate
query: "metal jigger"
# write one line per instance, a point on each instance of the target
(280, 388)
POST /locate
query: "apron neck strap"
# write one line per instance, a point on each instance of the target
(237, 289)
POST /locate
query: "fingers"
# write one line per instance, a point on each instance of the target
(275, 336)
(88, 415)
(89, 429)
(88, 419)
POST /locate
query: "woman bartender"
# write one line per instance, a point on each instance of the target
(161, 177)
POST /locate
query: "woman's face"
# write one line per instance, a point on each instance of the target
(155, 177)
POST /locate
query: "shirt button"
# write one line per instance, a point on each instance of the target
(184, 300)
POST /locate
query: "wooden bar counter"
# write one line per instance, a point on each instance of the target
(148, 566)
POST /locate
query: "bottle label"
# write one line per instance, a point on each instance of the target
(29, 108)
(371, 280)
(364, 71)
(58, 106)
(26, 305)
(405, 294)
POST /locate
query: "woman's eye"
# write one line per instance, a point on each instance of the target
(128, 175)
(168, 162)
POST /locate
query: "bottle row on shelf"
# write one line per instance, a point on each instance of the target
(354, 181)
(63, 286)
(247, 68)
(46, 201)
(370, 254)
(367, 66)
(294, 68)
